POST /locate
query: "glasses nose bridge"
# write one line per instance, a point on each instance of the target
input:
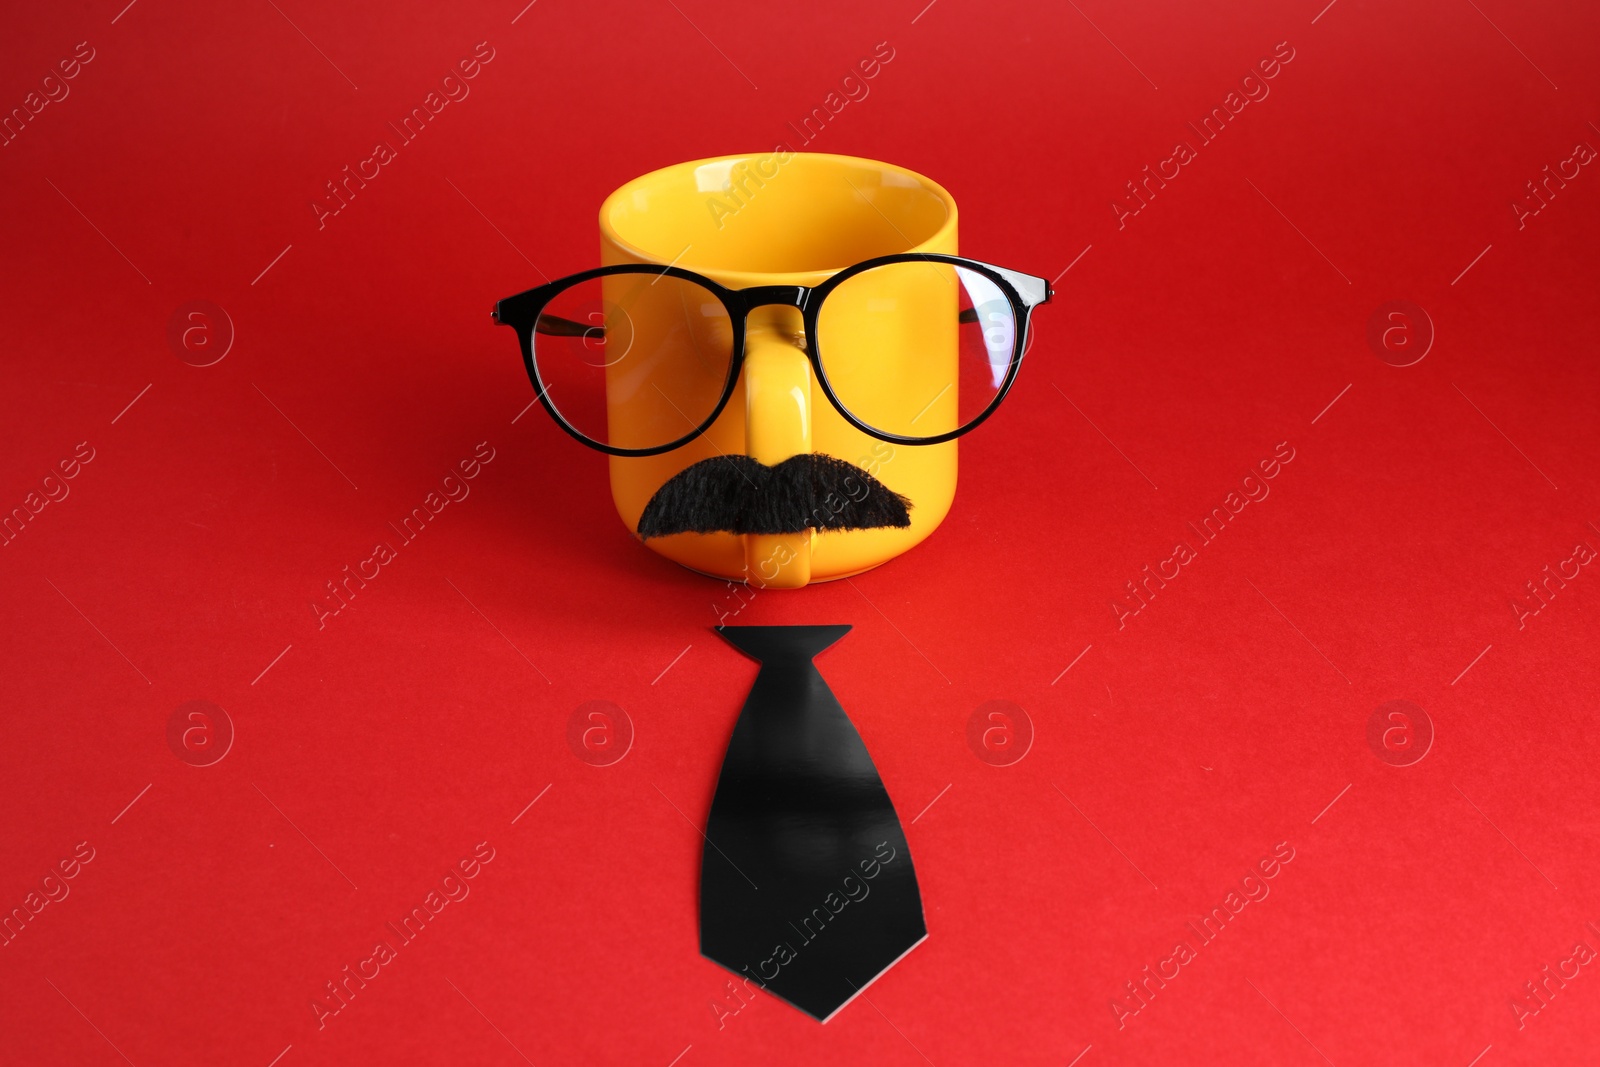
(776, 310)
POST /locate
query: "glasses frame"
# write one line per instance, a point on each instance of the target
(1024, 292)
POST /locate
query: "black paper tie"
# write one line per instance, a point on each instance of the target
(806, 882)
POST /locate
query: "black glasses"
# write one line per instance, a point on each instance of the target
(636, 360)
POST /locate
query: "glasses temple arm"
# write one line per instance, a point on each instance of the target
(556, 326)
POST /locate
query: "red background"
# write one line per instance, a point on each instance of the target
(1222, 719)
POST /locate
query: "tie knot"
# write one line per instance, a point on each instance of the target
(782, 644)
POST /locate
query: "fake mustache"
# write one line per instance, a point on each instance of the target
(737, 494)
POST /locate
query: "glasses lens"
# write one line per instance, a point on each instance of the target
(917, 349)
(634, 360)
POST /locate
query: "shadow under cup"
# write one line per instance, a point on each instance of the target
(785, 219)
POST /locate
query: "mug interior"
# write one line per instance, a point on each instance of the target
(776, 214)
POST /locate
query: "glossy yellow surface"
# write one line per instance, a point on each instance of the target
(888, 337)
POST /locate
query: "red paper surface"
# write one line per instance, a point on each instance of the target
(1172, 749)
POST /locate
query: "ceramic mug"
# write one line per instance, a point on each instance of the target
(784, 219)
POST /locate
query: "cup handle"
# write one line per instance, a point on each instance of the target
(777, 421)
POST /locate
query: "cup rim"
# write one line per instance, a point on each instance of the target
(939, 240)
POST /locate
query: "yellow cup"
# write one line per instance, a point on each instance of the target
(790, 218)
